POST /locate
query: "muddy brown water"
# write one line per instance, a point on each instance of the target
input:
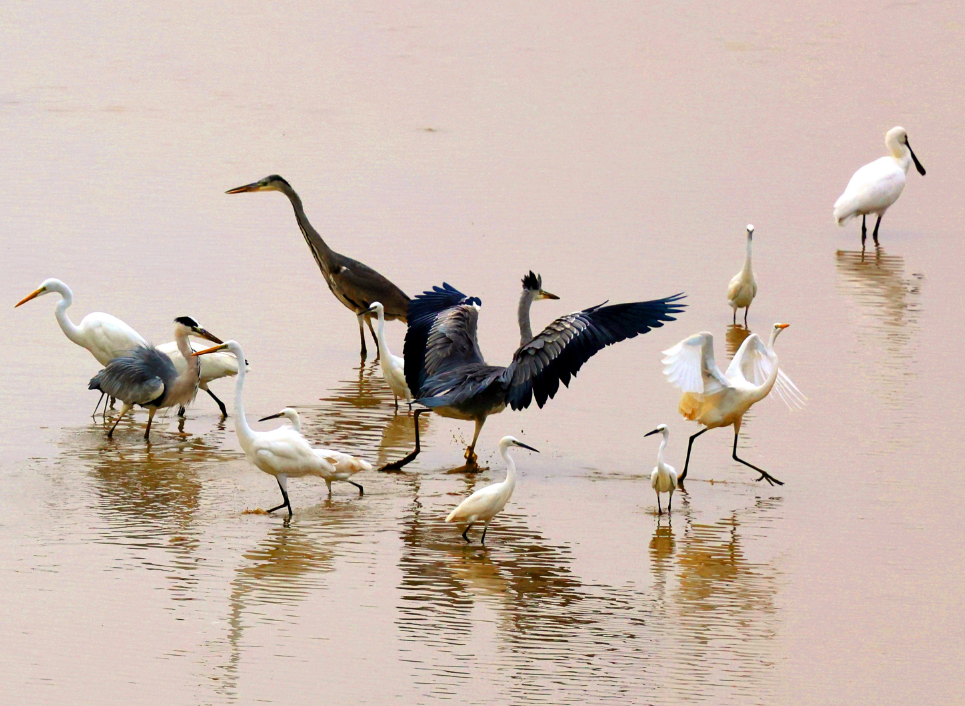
(617, 150)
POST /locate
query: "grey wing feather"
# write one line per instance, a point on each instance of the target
(364, 286)
(138, 377)
(452, 340)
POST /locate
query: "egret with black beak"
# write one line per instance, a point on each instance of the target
(664, 476)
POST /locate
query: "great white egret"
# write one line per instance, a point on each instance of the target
(663, 479)
(877, 185)
(106, 337)
(743, 287)
(717, 399)
(145, 376)
(486, 503)
(353, 283)
(393, 366)
(283, 452)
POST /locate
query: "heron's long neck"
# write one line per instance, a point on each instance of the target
(320, 251)
(186, 384)
(510, 481)
(525, 328)
(244, 432)
(66, 325)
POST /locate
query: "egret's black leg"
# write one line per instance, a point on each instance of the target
(485, 528)
(468, 527)
(361, 489)
(397, 465)
(284, 495)
(224, 410)
(374, 337)
(669, 501)
(362, 336)
(689, 447)
(864, 231)
(94, 414)
(874, 234)
(659, 511)
(746, 309)
(734, 320)
(764, 474)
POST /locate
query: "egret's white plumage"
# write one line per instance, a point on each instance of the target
(743, 287)
(715, 399)
(876, 186)
(486, 503)
(393, 366)
(284, 452)
(663, 479)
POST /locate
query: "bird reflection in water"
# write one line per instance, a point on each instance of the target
(887, 331)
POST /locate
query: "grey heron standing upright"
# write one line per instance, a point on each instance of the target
(354, 284)
(445, 368)
(145, 376)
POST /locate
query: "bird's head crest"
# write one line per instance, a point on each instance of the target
(532, 282)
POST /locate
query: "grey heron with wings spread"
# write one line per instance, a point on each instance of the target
(446, 371)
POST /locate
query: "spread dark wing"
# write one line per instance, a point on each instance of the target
(441, 334)
(457, 387)
(137, 377)
(560, 350)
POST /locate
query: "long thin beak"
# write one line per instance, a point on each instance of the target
(520, 443)
(242, 189)
(271, 416)
(212, 349)
(367, 311)
(921, 169)
(28, 297)
(547, 295)
(655, 431)
(204, 333)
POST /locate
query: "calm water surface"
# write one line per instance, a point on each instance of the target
(618, 151)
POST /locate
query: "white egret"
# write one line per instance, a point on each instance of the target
(107, 337)
(717, 399)
(877, 185)
(393, 366)
(663, 479)
(283, 452)
(743, 287)
(486, 503)
(147, 377)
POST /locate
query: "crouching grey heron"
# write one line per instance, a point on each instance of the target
(445, 368)
(354, 284)
(145, 376)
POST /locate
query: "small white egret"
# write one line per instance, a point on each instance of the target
(717, 399)
(743, 287)
(213, 367)
(663, 479)
(147, 377)
(486, 503)
(393, 366)
(283, 452)
(877, 185)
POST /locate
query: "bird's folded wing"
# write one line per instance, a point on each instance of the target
(559, 351)
(690, 365)
(112, 335)
(137, 377)
(478, 502)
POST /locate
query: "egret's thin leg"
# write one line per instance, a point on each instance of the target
(361, 489)
(764, 474)
(284, 493)
(468, 527)
(689, 447)
(746, 309)
(659, 511)
(374, 337)
(150, 418)
(124, 410)
(395, 397)
(362, 336)
(224, 410)
(875, 233)
(864, 230)
(485, 527)
(734, 320)
(397, 465)
(94, 414)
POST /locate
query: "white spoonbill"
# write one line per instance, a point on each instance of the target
(877, 185)
(284, 452)
(663, 479)
(743, 287)
(393, 366)
(717, 399)
(486, 503)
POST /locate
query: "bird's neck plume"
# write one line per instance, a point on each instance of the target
(525, 327)
(320, 250)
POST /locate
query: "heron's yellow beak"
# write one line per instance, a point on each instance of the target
(257, 186)
(783, 325)
(543, 294)
(211, 350)
(30, 296)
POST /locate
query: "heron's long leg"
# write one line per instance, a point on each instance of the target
(362, 336)
(124, 410)
(224, 410)
(282, 482)
(874, 234)
(468, 527)
(689, 447)
(397, 465)
(764, 474)
(361, 489)
(471, 451)
(485, 527)
(94, 413)
(864, 230)
(374, 337)
(181, 411)
(150, 418)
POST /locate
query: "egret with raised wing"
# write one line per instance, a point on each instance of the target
(716, 399)
(486, 503)
(663, 479)
(877, 185)
(743, 287)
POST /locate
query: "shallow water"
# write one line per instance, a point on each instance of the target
(619, 153)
